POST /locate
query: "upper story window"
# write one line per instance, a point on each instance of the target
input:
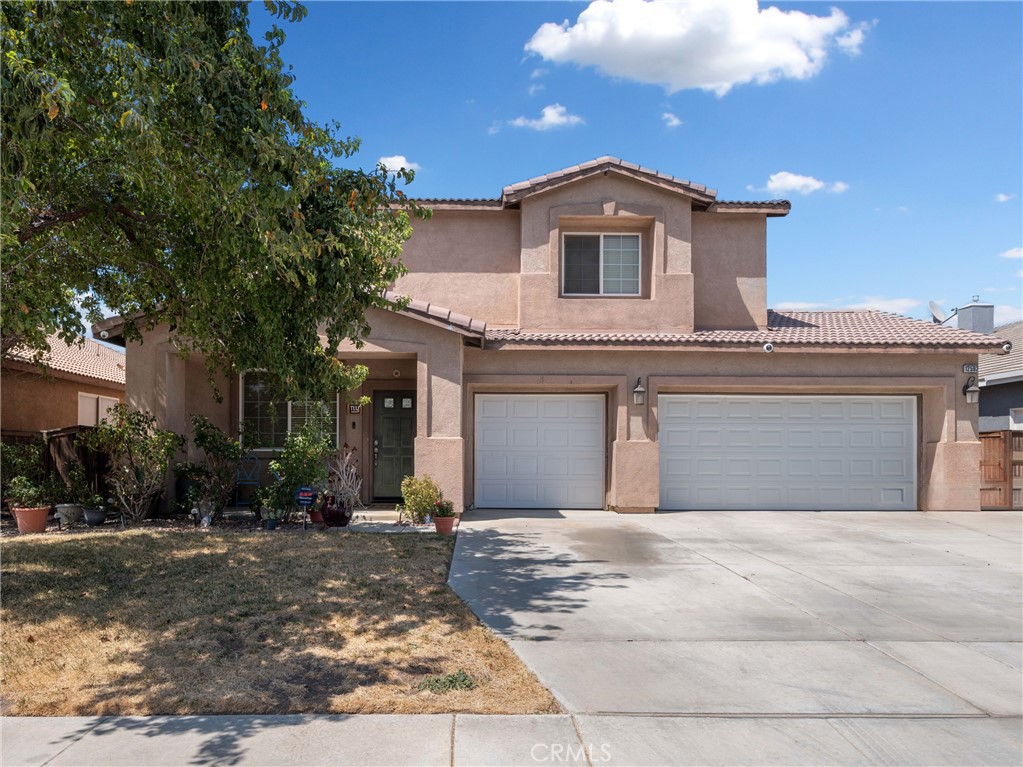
(601, 265)
(266, 420)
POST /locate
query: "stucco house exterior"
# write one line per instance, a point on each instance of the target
(77, 387)
(599, 337)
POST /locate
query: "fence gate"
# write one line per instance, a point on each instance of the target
(1001, 470)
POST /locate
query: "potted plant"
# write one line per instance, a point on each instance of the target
(74, 490)
(272, 516)
(94, 510)
(30, 504)
(443, 516)
(344, 486)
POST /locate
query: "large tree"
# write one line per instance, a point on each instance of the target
(156, 161)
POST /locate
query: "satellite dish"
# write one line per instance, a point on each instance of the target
(937, 312)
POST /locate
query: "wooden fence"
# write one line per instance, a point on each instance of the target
(1001, 470)
(62, 447)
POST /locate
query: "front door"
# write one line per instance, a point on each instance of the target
(394, 433)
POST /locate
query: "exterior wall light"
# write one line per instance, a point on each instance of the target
(639, 393)
(971, 391)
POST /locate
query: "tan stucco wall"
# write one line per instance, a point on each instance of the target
(730, 270)
(32, 402)
(611, 203)
(504, 266)
(467, 261)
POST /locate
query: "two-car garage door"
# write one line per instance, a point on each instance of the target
(787, 452)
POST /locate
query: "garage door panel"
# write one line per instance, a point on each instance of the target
(540, 450)
(791, 452)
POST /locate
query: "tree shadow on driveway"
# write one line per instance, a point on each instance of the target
(509, 577)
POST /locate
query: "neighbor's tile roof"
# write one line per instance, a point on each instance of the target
(993, 364)
(92, 360)
(848, 329)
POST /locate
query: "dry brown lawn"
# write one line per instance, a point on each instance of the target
(147, 622)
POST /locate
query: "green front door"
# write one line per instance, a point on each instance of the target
(394, 433)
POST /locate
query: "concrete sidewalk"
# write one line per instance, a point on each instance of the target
(468, 739)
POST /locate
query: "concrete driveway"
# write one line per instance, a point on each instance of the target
(851, 637)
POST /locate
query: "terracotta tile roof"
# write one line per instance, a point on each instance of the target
(439, 315)
(1004, 364)
(845, 329)
(92, 360)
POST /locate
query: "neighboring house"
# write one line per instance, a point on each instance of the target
(77, 387)
(1000, 377)
(599, 337)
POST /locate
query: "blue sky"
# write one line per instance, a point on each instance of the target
(896, 129)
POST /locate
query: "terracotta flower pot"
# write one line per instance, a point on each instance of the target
(31, 520)
(444, 525)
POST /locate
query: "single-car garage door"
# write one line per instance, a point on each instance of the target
(787, 452)
(540, 451)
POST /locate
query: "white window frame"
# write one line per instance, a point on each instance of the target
(274, 449)
(602, 294)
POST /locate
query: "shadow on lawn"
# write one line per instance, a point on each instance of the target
(223, 623)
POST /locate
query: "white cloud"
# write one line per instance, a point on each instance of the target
(784, 182)
(1012, 253)
(537, 73)
(397, 162)
(552, 116)
(1001, 197)
(535, 88)
(1006, 314)
(671, 120)
(712, 45)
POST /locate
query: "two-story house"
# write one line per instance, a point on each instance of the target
(599, 337)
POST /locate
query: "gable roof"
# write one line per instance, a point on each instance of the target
(869, 331)
(90, 360)
(703, 199)
(1003, 366)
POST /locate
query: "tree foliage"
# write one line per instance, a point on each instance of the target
(156, 160)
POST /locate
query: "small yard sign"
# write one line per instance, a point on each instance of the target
(305, 496)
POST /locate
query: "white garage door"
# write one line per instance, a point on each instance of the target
(540, 451)
(787, 452)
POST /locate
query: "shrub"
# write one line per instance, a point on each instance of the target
(419, 495)
(215, 477)
(301, 462)
(139, 456)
